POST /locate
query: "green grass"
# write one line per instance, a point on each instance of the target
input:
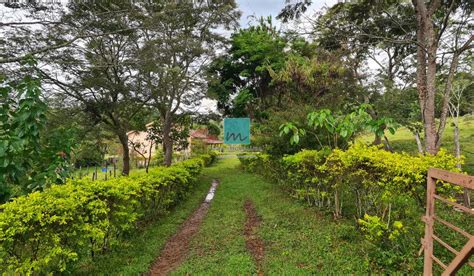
(403, 140)
(298, 240)
(135, 254)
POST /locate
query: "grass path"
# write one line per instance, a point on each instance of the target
(297, 240)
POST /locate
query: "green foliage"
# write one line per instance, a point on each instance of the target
(339, 129)
(22, 118)
(314, 77)
(384, 190)
(213, 129)
(198, 146)
(388, 242)
(290, 128)
(244, 71)
(32, 156)
(44, 232)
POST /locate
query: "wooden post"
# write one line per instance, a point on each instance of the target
(96, 172)
(115, 168)
(429, 220)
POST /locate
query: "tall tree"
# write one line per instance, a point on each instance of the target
(240, 79)
(179, 39)
(433, 20)
(99, 70)
(439, 25)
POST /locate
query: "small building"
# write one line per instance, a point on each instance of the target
(138, 141)
(204, 137)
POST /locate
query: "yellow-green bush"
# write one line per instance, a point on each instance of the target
(384, 191)
(46, 231)
(376, 177)
(368, 175)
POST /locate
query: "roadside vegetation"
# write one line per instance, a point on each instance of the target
(349, 107)
(51, 230)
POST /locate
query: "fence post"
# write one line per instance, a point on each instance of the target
(429, 220)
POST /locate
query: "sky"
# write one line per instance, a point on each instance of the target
(264, 8)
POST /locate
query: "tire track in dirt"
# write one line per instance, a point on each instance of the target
(253, 242)
(177, 247)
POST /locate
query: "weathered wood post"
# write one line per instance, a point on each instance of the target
(429, 220)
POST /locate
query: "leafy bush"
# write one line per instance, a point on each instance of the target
(45, 232)
(385, 191)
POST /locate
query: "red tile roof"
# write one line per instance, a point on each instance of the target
(203, 134)
(199, 133)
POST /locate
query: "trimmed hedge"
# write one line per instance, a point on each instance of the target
(368, 175)
(384, 192)
(47, 231)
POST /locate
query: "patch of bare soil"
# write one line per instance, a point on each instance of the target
(253, 242)
(177, 247)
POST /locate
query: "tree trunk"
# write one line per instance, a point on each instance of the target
(167, 142)
(429, 112)
(377, 140)
(387, 144)
(126, 153)
(426, 72)
(446, 98)
(147, 164)
(418, 142)
(457, 149)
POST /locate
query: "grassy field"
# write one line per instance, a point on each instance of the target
(403, 140)
(298, 240)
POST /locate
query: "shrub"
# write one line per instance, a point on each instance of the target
(45, 232)
(367, 178)
(384, 191)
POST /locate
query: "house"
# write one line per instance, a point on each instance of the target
(139, 145)
(204, 137)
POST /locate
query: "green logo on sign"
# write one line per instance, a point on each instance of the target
(237, 131)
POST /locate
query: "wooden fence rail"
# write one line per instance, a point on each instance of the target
(462, 256)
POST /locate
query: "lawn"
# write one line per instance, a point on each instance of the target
(297, 239)
(403, 140)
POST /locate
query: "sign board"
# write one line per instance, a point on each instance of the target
(237, 131)
(104, 169)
